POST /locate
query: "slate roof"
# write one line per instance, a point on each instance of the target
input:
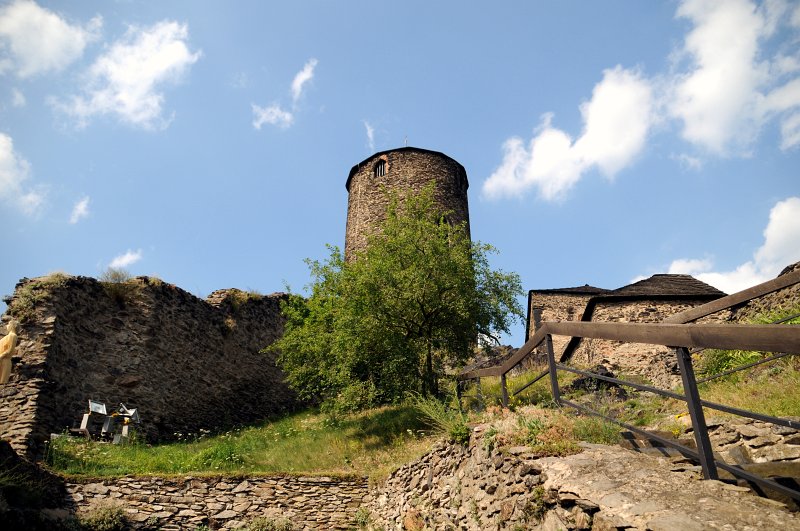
(665, 284)
(586, 289)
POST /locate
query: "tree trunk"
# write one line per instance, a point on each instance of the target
(430, 382)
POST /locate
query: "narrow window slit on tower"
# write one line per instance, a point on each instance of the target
(380, 168)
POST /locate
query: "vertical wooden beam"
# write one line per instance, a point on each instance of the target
(479, 393)
(704, 448)
(504, 389)
(551, 362)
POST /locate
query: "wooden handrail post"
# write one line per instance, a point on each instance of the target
(504, 389)
(551, 362)
(479, 393)
(704, 448)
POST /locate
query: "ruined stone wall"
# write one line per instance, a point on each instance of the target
(408, 170)
(225, 502)
(656, 363)
(558, 307)
(184, 362)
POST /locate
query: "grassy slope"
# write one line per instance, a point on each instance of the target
(367, 444)
(375, 442)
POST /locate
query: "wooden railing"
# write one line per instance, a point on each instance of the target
(676, 333)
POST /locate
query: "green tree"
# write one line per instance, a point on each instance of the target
(414, 302)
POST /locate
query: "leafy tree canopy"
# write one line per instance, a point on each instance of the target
(391, 320)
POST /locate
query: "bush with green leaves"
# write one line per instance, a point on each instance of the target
(414, 302)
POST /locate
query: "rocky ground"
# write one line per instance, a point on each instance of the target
(478, 487)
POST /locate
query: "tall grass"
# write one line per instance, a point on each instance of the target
(444, 419)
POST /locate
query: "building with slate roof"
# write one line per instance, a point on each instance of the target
(646, 301)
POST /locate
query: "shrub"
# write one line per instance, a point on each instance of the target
(117, 284)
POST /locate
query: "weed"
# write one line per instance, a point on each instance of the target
(104, 518)
(473, 511)
(490, 439)
(363, 518)
(33, 293)
(269, 524)
(531, 427)
(534, 509)
(450, 422)
(550, 434)
(596, 430)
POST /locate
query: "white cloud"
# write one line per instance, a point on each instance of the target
(80, 210)
(127, 80)
(695, 265)
(14, 171)
(35, 40)
(18, 98)
(275, 114)
(616, 121)
(724, 99)
(370, 136)
(781, 247)
(126, 259)
(790, 131)
(301, 78)
(271, 115)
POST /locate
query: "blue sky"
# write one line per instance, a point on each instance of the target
(208, 143)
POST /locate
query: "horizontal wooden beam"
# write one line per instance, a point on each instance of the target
(724, 303)
(766, 338)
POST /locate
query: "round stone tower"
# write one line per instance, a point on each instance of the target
(404, 170)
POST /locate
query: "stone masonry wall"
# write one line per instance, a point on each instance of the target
(184, 362)
(408, 171)
(656, 363)
(225, 503)
(558, 307)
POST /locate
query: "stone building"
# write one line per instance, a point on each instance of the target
(403, 170)
(647, 301)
